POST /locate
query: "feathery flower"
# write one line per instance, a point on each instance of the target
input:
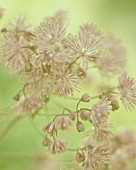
(12, 52)
(87, 44)
(66, 82)
(38, 81)
(100, 111)
(58, 146)
(62, 122)
(50, 31)
(127, 90)
(27, 105)
(50, 129)
(113, 59)
(95, 157)
(19, 25)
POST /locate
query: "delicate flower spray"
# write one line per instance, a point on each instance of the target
(51, 62)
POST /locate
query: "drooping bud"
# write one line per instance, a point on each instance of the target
(46, 141)
(80, 157)
(84, 114)
(85, 97)
(80, 127)
(16, 97)
(72, 115)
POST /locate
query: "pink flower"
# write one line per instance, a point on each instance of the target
(58, 146)
(100, 111)
(62, 122)
(127, 90)
(87, 44)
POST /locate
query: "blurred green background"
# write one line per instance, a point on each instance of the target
(22, 149)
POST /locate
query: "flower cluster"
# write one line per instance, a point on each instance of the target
(51, 62)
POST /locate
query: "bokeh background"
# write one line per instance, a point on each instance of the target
(22, 149)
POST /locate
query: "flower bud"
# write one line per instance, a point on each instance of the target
(114, 104)
(80, 127)
(85, 97)
(80, 157)
(46, 141)
(16, 97)
(84, 115)
(72, 115)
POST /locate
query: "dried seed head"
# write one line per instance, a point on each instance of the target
(80, 157)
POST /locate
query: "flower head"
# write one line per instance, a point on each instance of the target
(100, 111)
(127, 89)
(87, 44)
(62, 122)
(58, 146)
(27, 105)
(95, 157)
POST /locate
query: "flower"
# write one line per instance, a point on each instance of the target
(66, 82)
(27, 105)
(13, 53)
(100, 111)
(127, 90)
(38, 81)
(51, 30)
(58, 146)
(62, 122)
(50, 129)
(87, 44)
(95, 157)
(113, 59)
(19, 25)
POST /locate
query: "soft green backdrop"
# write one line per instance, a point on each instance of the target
(117, 16)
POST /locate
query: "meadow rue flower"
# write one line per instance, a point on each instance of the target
(127, 90)
(95, 157)
(27, 104)
(58, 146)
(86, 44)
(100, 111)
(62, 122)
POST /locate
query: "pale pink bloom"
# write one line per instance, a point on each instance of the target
(87, 44)
(50, 31)
(62, 122)
(19, 25)
(100, 111)
(50, 129)
(65, 83)
(58, 146)
(101, 133)
(95, 157)
(113, 59)
(38, 81)
(127, 90)
(119, 161)
(27, 105)
(13, 53)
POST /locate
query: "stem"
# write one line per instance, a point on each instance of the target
(35, 127)
(9, 127)
(78, 110)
